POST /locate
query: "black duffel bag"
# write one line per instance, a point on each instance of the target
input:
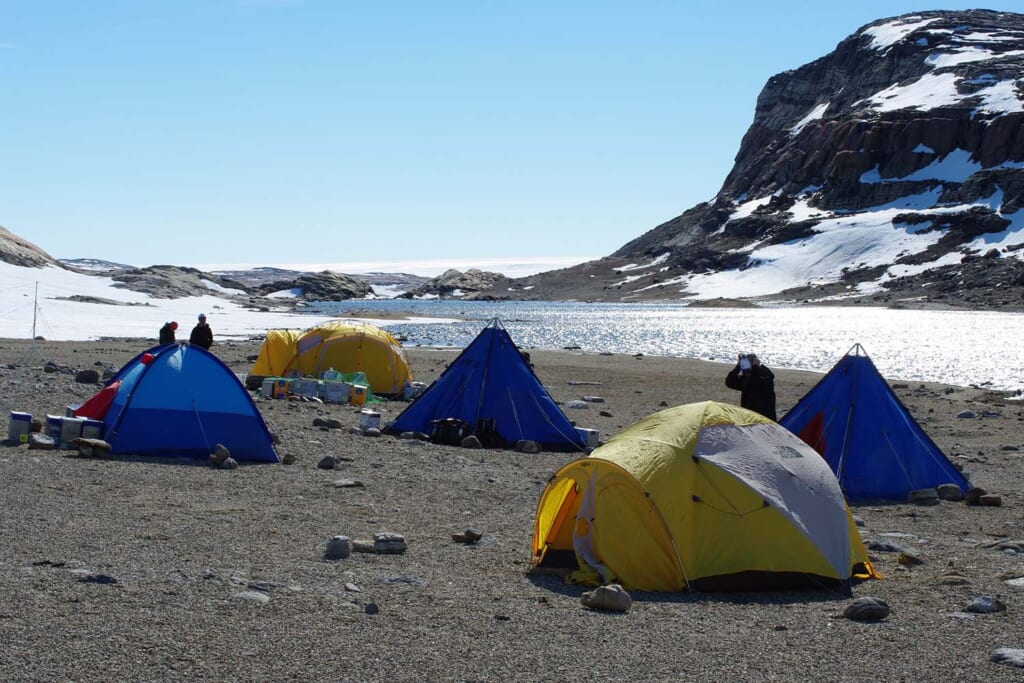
(450, 431)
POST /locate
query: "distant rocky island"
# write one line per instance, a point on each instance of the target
(888, 172)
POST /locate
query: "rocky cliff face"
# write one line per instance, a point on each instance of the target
(891, 169)
(20, 252)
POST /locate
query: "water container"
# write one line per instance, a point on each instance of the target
(53, 427)
(92, 429)
(70, 428)
(18, 427)
(590, 437)
(331, 375)
(336, 392)
(369, 419)
(358, 395)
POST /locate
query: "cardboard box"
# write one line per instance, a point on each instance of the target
(336, 392)
(306, 387)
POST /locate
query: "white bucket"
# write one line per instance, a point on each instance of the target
(18, 427)
(591, 437)
(70, 428)
(369, 419)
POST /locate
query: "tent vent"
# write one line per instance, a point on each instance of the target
(696, 499)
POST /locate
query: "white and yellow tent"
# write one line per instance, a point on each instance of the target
(705, 496)
(345, 346)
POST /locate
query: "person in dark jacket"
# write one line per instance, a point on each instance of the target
(756, 384)
(201, 335)
(167, 332)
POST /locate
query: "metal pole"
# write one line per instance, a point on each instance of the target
(35, 309)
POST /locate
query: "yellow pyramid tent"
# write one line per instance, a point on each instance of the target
(705, 496)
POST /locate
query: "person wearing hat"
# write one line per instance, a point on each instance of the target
(167, 332)
(756, 385)
(201, 335)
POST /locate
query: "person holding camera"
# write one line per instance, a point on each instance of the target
(756, 385)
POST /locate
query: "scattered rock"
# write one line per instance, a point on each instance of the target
(605, 413)
(951, 577)
(612, 598)
(347, 483)
(416, 436)
(97, 578)
(527, 446)
(594, 399)
(38, 441)
(973, 495)
(371, 432)
(886, 547)
(371, 608)
(990, 500)
(967, 415)
(253, 596)
(91, 448)
(389, 543)
(867, 609)
(219, 455)
(468, 536)
(858, 521)
(1008, 655)
(909, 559)
(923, 496)
(352, 588)
(328, 462)
(578, 405)
(985, 604)
(338, 548)
(949, 492)
(87, 377)
(471, 441)
(288, 459)
(327, 422)
(229, 464)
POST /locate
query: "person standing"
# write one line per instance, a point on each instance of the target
(201, 335)
(756, 385)
(167, 332)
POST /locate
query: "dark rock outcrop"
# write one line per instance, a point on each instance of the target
(20, 252)
(923, 113)
(322, 286)
(472, 284)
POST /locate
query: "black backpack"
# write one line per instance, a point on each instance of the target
(450, 431)
(487, 432)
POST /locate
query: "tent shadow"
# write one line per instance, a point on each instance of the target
(557, 584)
(155, 460)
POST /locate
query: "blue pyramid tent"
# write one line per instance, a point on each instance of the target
(867, 436)
(490, 380)
(181, 400)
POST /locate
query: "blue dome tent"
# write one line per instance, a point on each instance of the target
(180, 400)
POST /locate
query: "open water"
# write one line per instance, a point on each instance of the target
(954, 347)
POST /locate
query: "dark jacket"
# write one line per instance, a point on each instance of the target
(201, 335)
(757, 387)
(166, 334)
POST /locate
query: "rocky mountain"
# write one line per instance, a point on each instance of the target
(890, 170)
(20, 252)
(454, 284)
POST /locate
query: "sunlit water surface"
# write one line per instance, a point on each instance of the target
(954, 347)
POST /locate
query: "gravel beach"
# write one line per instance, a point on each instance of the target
(128, 569)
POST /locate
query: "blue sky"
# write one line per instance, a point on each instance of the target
(321, 131)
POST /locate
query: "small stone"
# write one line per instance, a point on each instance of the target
(347, 483)
(858, 521)
(288, 459)
(253, 596)
(371, 432)
(1012, 656)
(471, 441)
(468, 536)
(949, 492)
(40, 442)
(328, 462)
(966, 415)
(87, 377)
(867, 609)
(352, 588)
(909, 559)
(594, 399)
(612, 598)
(338, 548)
(990, 500)
(371, 608)
(605, 413)
(219, 455)
(527, 446)
(985, 604)
(577, 405)
(923, 496)
(389, 543)
(229, 464)
(973, 495)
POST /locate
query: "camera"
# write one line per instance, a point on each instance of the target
(745, 362)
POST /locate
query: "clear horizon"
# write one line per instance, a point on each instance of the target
(301, 131)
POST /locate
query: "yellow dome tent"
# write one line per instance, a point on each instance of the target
(276, 353)
(704, 496)
(352, 347)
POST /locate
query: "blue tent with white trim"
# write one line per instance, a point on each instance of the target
(490, 380)
(180, 400)
(868, 437)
